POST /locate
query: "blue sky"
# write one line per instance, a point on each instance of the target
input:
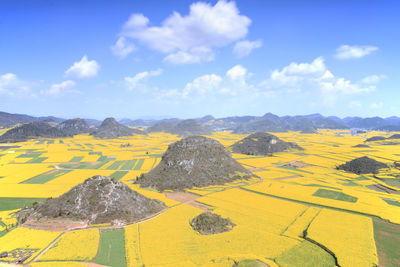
(191, 58)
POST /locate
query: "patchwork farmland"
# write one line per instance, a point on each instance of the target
(297, 209)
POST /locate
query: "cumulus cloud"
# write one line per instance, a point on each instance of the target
(83, 69)
(354, 51)
(373, 79)
(233, 83)
(137, 81)
(10, 84)
(195, 55)
(302, 77)
(244, 48)
(190, 38)
(58, 88)
(202, 85)
(355, 104)
(376, 105)
(122, 47)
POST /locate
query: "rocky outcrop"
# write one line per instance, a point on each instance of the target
(263, 144)
(194, 161)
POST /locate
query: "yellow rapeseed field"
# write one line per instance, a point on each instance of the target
(78, 245)
(24, 238)
(349, 236)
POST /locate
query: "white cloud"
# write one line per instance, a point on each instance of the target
(373, 79)
(354, 51)
(10, 84)
(137, 81)
(83, 69)
(355, 104)
(195, 55)
(232, 84)
(237, 74)
(244, 48)
(58, 88)
(122, 47)
(205, 27)
(303, 77)
(202, 85)
(376, 105)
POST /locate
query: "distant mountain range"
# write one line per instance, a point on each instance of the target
(238, 124)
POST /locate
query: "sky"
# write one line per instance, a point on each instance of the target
(158, 59)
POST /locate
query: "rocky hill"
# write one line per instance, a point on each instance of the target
(163, 126)
(362, 165)
(395, 136)
(375, 138)
(190, 127)
(32, 130)
(98, 200)
(8, 119)
(182, 128)
(74, 126)
(208, 223)
(262, 144)
(194, 161)
(110, 129)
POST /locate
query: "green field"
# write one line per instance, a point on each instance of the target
(11, 203)
(116, 165)
(37, 160)
(118, 175)
(128, 165)
(387, 239)
(306, 254)
(111, 248)
(334, 195)
(76, 159)
(45, 177)
(139, 165)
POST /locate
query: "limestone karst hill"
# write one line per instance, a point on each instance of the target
(97, 200)
(110, 128)
(194, 161)
(262, 144)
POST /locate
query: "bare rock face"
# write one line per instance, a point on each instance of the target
(74, 126)
(98, 200)
(110, 129)
(362, 165)
(209, 223)
(32, 130)
(262, 144)
(194, 161)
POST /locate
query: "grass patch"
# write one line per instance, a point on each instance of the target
(116, 165)
(387, 239)
(392, 202)
(13, 203)
(334, 195)
(30, 155)
(111, 248)
(295, 169)
(76, 159)
(45, 177)
(118, 175)
(391, 182)
(139, 165)
(37, 160)
(318, 185)
(248, 263)
(128, 165)
(305, 254)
